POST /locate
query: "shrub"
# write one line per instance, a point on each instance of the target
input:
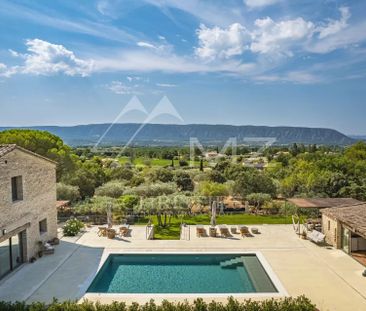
(72, 227)
(67, 192)
(112, 189)
(287, 304)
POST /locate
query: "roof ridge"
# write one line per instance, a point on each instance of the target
(6, 148)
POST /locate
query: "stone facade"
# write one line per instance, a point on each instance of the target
(38, 202)
(332, 230)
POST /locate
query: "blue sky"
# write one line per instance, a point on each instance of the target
(260, 62)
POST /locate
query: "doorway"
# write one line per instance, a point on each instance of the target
(11, 253)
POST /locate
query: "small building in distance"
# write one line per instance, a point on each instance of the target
(28, 212)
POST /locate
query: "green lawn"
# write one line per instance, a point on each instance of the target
(172, 231)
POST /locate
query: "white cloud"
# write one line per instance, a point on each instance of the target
(51, 19)
(210, 12)
(297, 77)
(146, 45)
(166, 85)
(120, 88)
(6, 71)
(221, 43)
(45, 58)
(148, 61)
(334, 26)
(270, 36)
(345, 38)
(259, 3)
(133, 78)
(159, 48)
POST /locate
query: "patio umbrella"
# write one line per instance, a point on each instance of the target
(109, 216)
(213, 214)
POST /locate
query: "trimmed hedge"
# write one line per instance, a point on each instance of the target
(286, 304)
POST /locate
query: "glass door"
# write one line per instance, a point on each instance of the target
(5, 266)
(11, 254)
(16, 251)
(346, 236)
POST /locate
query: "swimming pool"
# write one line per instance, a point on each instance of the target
(182, 274)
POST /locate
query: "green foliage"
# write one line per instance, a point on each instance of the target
(129, 201)
(152, 190)
(160, 175)
(216, 176)
(100, 205)
(285, 304)
(183, 181)
(42, 143)
(72, 227)
(67, 192)
(288, 209)
(258, 199)
(183, 163)
(136, 181)
(113, 189)
(211, 189)
(252, 181)
(88, 176)
(165, 207)
(121, 173)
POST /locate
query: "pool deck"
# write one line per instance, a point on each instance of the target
(329, 277)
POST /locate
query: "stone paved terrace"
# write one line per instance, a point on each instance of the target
(329, 277)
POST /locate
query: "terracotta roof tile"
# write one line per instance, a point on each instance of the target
(352, 216)
(4, 149)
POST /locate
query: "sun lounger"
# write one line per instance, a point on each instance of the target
(213, 232)
(244, 231)
(102, 231)
(224, 231)
(200, 231)
(123, 230)
(316, 237)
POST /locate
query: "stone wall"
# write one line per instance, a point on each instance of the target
(39, 197)
(332, 231)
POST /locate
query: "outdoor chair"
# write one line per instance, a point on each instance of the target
(123, 230)
(200, 231)
(244, 231)
(224, 231)
(102, 231)
(213, 232)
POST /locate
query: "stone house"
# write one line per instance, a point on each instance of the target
(345, 228)
(28, 212)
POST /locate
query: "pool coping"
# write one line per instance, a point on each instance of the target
(281, 291)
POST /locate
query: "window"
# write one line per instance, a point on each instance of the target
(335, 235)
(17, 188)
(328, 225)
(43, 226)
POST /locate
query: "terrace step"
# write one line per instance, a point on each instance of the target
(232, 263)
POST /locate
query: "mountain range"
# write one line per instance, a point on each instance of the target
(172, 134)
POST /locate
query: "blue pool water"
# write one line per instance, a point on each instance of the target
(166, 273)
